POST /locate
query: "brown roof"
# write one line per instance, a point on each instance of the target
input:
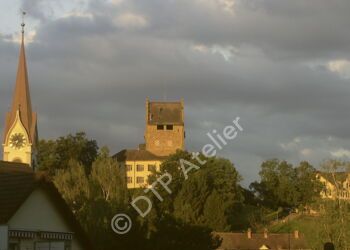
(136, 155)
(22, 102)
(165, 113)
(18, 181)
(233, 241)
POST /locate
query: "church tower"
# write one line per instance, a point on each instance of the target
(21, 134)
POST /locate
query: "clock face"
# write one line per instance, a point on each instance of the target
(17, 141)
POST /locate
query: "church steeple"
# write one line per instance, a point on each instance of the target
(21, 117)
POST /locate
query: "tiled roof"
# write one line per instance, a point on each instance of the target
(165, 113)
(18, 181)
(136, 155)
(231, 241)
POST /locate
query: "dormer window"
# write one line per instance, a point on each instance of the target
(169, 127)
(160, 127)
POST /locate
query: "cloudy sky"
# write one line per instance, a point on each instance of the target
(282, 66)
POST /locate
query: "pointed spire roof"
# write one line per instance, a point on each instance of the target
(21, 99)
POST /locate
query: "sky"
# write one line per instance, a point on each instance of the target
(282, 66)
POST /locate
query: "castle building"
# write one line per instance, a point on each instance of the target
(20, 136)
(164, 134)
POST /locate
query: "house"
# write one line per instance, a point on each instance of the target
(164, 134)
(336, 185)
(33, 215)
(262, 241)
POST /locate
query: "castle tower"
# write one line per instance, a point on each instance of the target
(20, 134)
(165, 132)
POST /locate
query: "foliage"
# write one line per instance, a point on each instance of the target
(108, 179)
(283, 185)
(56, 154)
(210, 197)
(96, 197)
(73, 184)
(173, 234)
(335, 213)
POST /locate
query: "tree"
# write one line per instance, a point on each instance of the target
(173, 234)
(107, 178)
(73, 184)
(283, 185)
(55, 154)
(335, 219)
(210, 197)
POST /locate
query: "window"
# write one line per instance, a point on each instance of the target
(151, 167)
(169, 127)
(160, 127)
(140, 180)
(13, 246)
(129, 179)
(51, 245)
(139, 168)
(128, 168)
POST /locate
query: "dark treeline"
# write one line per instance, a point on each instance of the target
(211, 199)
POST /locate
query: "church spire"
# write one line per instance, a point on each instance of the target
(21, 102)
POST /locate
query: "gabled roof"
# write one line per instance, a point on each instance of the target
(257, 240)
(22, 101)
(18, 181)
(165, 113)
(136, 155)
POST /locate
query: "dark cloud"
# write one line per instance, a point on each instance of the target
(89, 72)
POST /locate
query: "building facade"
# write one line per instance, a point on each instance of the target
(335, 185)
(138, 165)
(20, 136)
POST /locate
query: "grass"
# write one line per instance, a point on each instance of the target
(309, 226)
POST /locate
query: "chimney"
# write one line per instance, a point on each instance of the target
(249, 233)
(296, 234)
(265, 233)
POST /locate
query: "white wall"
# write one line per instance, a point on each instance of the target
(3, 237)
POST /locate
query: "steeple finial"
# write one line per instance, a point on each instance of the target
(23, 24)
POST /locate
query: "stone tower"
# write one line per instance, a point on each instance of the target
(21, 134)
(165, 131)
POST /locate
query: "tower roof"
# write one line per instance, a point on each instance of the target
(21, 100)
(165, 112)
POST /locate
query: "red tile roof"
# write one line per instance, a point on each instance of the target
(233, 241)
(136, 155)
